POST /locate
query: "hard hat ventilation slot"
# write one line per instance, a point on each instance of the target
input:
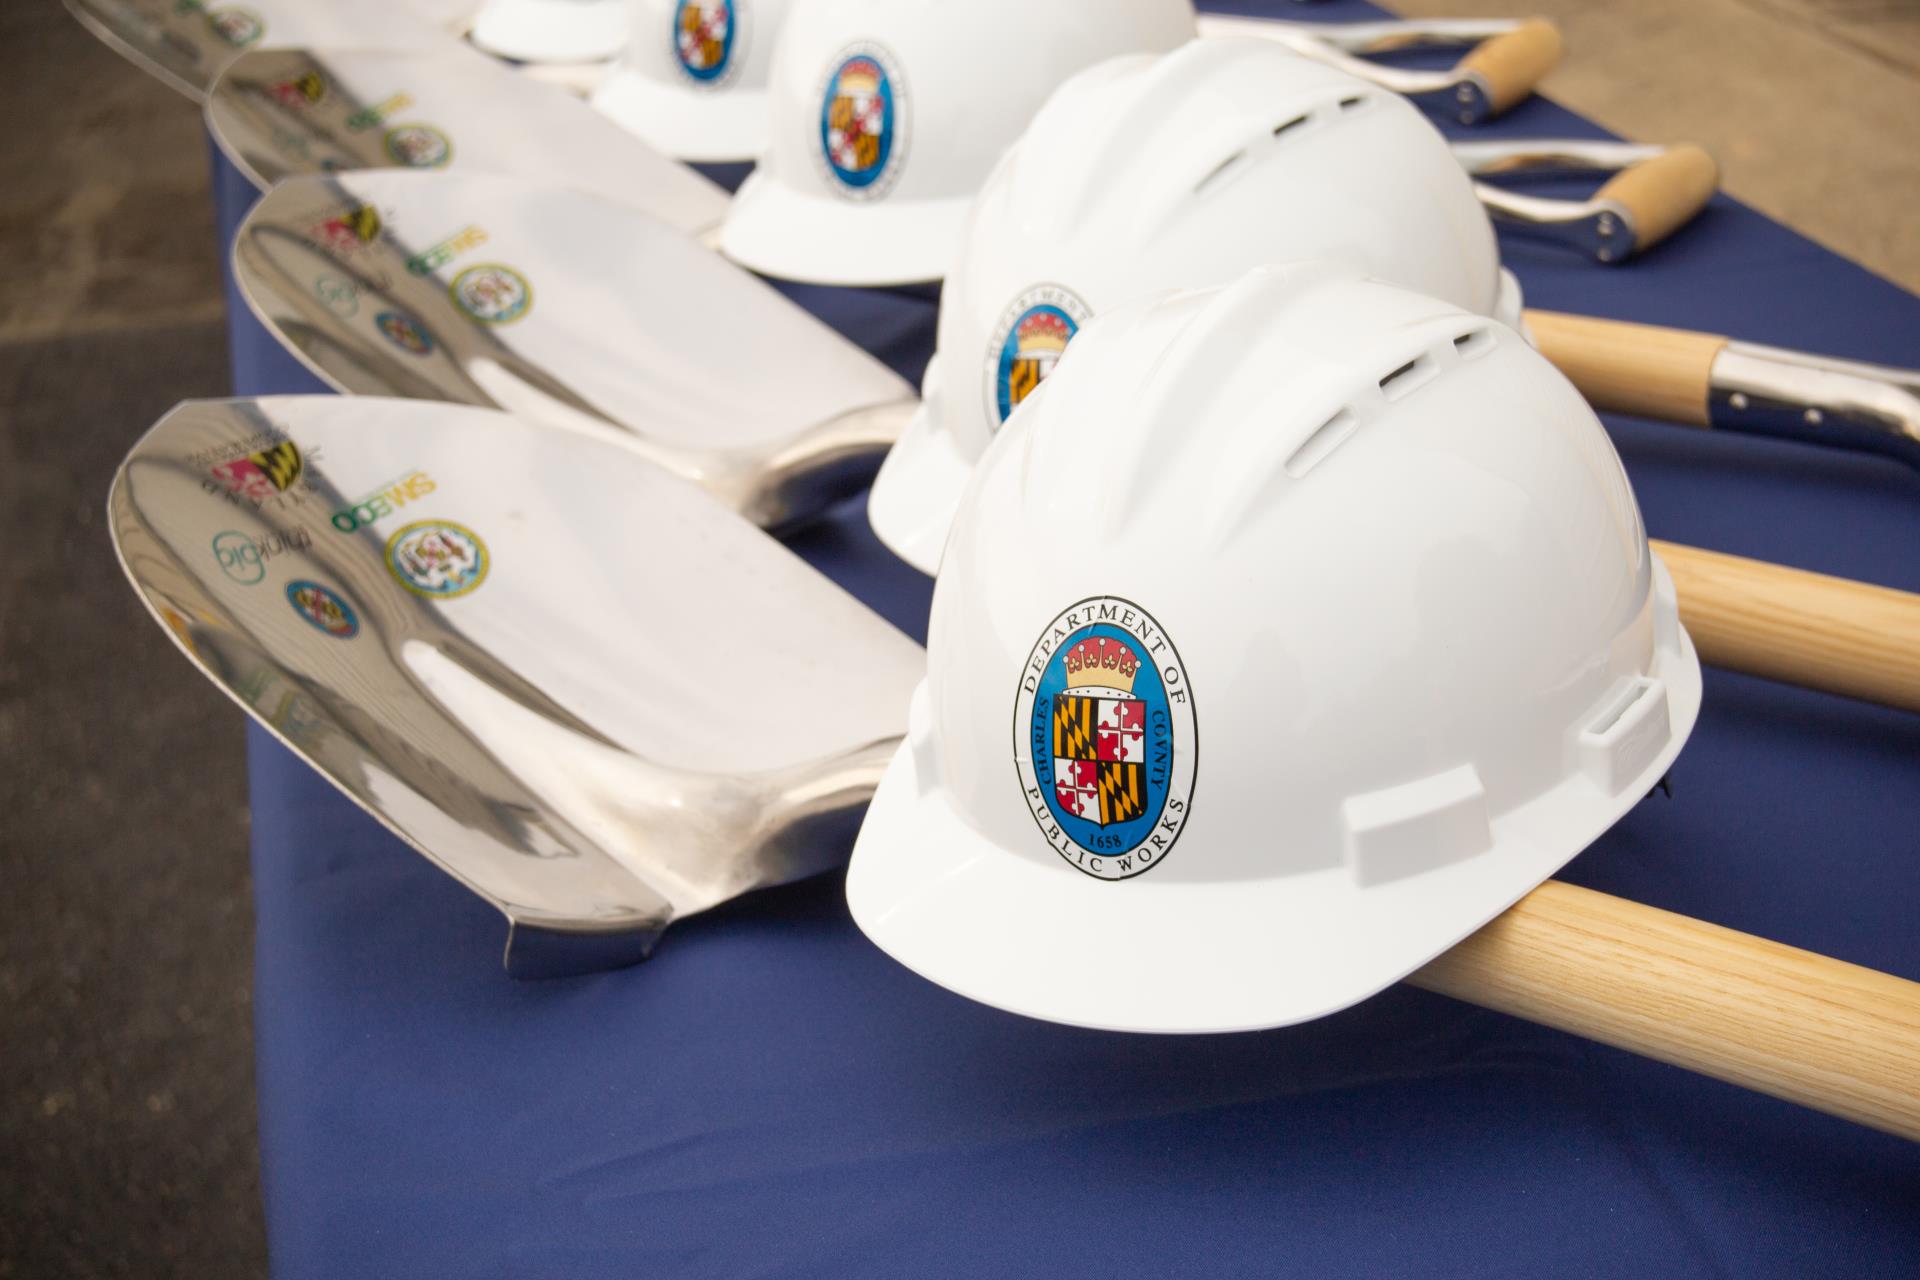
(1330, 435)
(1408, 377)
(1219, 171)
(1475, 343)
(1294, 123)
(1357, 100)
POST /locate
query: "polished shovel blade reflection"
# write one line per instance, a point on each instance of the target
(186, 43)
(286, 113)
(566, 308)
(586, 690)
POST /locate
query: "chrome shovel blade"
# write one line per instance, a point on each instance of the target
(566, 308)
(453, 16)
(583, 688)
(186, 43)
(286, 113)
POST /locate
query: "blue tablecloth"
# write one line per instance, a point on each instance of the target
(772, 1096)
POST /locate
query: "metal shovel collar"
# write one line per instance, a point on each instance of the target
(286, 113)
(569, 309)
(185, 44)
(578, 684)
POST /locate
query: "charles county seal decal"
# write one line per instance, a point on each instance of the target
(405, 332)
(438, 559)
(705, 34)
(418, 146)
(323, 610)
(1104, 739)
(238, 27)
(491, 293)
(863, 122)
(1032, 336)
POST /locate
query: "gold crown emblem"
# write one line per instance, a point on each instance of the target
(859, 79)
(1043, 331)
(1103, 663)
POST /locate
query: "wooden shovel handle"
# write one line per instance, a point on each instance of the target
(1820, 1032)
(1663, 194)
(1809, 629)
(1511, 64)
(1641, 369)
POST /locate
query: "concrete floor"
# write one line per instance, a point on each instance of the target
(127, 1134)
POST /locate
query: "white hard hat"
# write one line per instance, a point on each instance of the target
(693, 81)
(886, 116)
(1174, 172)
(1319, 624)
(552, 30)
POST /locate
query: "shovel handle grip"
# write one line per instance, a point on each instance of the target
(1512, 63)
(1641, 369)
(1790, 1023)
(1832, 634)
(1663, 194)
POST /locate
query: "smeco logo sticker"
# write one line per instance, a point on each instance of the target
(379, 113)
(323, 609)
(383, 501)
(428, 261)
(418, 146)
(1032, 335)
(492, 293)
(1104, 740)
(438, 559)
(863, 122)
(244, 559)
(705, 33)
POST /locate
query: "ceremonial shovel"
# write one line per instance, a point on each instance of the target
(604, 702)
(734, 387)
(569, 309)
(1506, 57)
(285, 112)
(186, 43)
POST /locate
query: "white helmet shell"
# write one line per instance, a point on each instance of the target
(1291, 632)
(693, 81)
(1182, 171)
(887, 115)
(552, 30)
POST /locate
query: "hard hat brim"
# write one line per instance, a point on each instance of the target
(914, 497)
(551, 30)
(777, 231)
(723, 126)
(1159, 954)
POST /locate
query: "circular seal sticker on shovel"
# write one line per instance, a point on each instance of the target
(491, 293)
(438, 559)
(418, 146)
(1104, 738)
(323, 609)
(238, 27)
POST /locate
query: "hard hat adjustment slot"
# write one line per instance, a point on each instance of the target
(1627, 736)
